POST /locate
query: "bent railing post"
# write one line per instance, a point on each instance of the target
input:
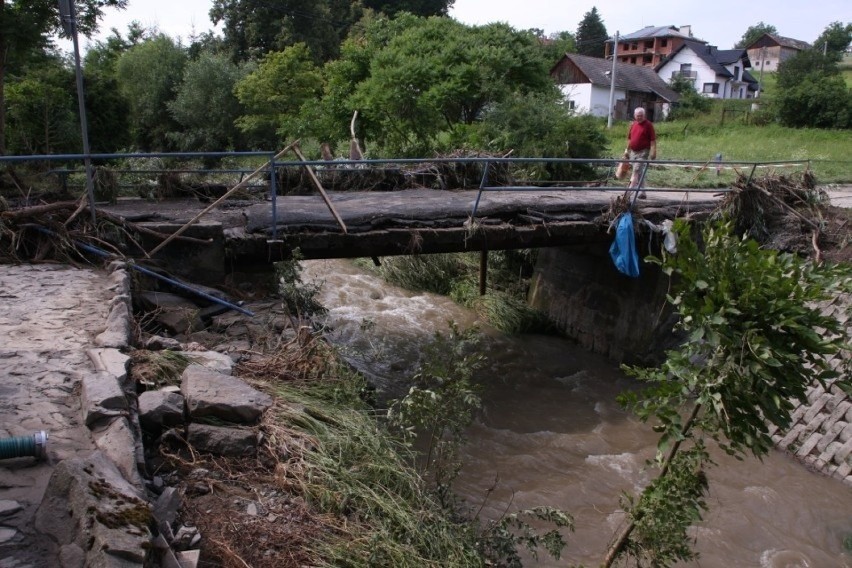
(482, 185)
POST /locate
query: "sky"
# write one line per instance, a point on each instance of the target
(720, 22)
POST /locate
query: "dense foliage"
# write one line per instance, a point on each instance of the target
(751, 317)
(835, 40)
(812, 93)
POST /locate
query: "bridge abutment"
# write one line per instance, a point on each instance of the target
(626, 319)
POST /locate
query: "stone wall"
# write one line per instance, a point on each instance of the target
(626, 319)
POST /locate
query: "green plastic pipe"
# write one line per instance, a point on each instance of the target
(24, 446)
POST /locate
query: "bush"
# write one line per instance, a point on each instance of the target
(820, 102)
(536, 125)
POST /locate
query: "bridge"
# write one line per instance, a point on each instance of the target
(414, 206)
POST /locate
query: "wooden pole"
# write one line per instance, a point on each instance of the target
(483, 271)
(318, 185)
(220, 200)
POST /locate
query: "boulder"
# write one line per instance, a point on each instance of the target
(158, 409)
(89, 506)
(216, 395)
(102, 397)
(231, 442)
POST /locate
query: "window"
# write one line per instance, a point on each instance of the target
(572, 105)
(685, 67)
(736, 73)
(711, 88)
(649, 44)
(646, 59)
(633, 60)
(664, 43)
(634, 46)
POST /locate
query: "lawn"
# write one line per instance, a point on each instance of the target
(827, 152)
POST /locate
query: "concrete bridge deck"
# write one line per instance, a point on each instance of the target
(408, 221)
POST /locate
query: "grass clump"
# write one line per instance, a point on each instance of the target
(156, 369)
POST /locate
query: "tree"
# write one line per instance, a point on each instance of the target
(431, 75)
(750, 315)
(834, 40)
(821, 101)
(795, 70)
(42, 113)
(558, 44)
(274, 93)
(109, 125)
(541, 125)
(253, 28)
(691, 102)
(591, 35)
(25, 27)
(417, 7)
(753, 33)
(149, 74)
(208, 85)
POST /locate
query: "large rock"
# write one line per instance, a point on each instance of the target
(89, 506)
(232, 442)
(102, 397)
(160, 408)
(215, 395)
(175, 313)
(117, 442)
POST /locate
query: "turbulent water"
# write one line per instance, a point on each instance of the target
(552, 434)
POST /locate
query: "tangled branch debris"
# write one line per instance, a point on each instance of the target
(787, 213)
(69, 222)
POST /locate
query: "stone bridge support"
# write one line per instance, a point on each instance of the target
(626, 319)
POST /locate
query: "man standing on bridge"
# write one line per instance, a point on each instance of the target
(641, 145)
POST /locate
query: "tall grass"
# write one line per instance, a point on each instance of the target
(358, 476)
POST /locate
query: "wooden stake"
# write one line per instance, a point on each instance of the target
(318, 185)
(221, 199)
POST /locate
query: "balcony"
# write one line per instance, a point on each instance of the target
(691, 75)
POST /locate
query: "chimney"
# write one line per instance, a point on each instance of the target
(686, 30)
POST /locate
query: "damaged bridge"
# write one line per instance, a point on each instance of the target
(375, 224)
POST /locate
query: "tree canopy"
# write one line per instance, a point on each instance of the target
(753, 33)
(413, 78)
(591, 34)
(416, 7)
(25, 27)
(834, 40)
(252, 28)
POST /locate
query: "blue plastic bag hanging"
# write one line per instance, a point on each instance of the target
(623, 248)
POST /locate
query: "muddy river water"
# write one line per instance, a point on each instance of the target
(552, 434)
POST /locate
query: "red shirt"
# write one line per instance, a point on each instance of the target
(640, 135)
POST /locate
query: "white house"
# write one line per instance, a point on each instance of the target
(585, 84)
(714, 73)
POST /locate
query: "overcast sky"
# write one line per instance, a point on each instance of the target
(719, 22)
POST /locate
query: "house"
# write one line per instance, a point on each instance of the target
(718, 74)
(650, 45)
(769, 50)
(585, 84)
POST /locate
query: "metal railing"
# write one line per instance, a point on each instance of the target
(605, 165)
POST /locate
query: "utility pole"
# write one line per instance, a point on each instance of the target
(612, 83)
(69, 26)
(825, 47)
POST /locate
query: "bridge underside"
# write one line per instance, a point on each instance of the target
(238, 236)
(428, 221)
